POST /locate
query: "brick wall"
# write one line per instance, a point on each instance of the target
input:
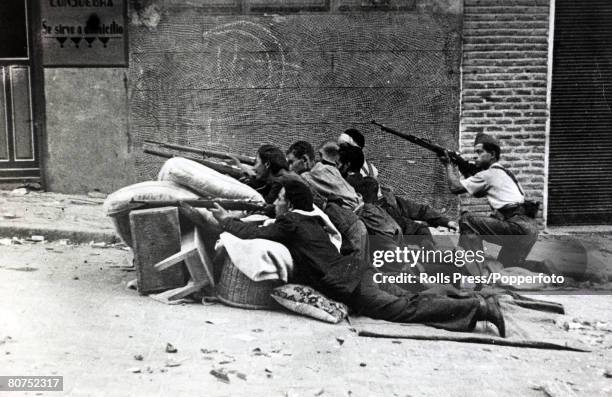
(504, 78)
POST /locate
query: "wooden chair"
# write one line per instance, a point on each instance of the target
(199, 265)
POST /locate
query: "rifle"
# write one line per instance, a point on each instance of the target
(204, 152)
(234, 172)
(228, 204)
(466, 168)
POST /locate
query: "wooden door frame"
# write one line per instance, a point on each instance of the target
(37, 81)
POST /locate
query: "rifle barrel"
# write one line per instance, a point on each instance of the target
(228, 204)
(222, 168)
(425, 143)
(205, 152)
(465, 167)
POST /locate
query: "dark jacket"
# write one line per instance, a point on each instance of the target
(317, 262)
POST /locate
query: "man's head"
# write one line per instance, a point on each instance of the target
(295, 195)
(350, 159)
(487, 150)
(368, 188)
(300, 157)
(353, 137)
(328, 151)
(269, 161)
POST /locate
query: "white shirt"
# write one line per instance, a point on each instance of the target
(496, 185)
(365, 170)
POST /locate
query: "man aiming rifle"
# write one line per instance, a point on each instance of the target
(512, 224)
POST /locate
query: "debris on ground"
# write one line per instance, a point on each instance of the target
(220, 375)
(258, 352)
(340, 340)
(608, 373)
(554, 389)
(23, 269)
(173, 363)
(138, 357)
(22, 191)
(134, 370)
(81, 201)
(170, 348)
(5, 340)
(206, 351)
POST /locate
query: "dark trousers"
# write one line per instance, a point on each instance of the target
(515, 234)
(442, 307)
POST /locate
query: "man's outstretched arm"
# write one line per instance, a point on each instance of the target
(454, 184)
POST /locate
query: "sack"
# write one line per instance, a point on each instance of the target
(531, 208)
(206, 181)
(120, 201)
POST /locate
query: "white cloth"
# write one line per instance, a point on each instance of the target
(499, 189)
(259, 259)
(334, 235)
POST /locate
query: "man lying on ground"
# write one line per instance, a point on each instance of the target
(405, 212)
(319, 264)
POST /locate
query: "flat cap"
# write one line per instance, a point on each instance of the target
(481, 137)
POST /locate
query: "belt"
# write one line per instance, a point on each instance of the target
(511, 210)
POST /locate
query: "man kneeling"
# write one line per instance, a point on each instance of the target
(319, 265)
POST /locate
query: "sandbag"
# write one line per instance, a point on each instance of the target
(118, 204)
(206, 181)
(119, 201)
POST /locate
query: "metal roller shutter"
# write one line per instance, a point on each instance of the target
(580, 151)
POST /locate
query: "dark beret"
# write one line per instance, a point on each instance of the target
(484, 138)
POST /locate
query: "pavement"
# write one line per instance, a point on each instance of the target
(65, 311)
(55, 216)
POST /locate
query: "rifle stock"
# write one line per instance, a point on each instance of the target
(204, 152)
(466, 168)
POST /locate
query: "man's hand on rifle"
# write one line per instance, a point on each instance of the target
(444, 158)
(246, 169)
(220, 213)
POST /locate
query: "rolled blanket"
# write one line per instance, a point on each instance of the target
(258, 259)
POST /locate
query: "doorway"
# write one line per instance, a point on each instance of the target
(19, 149)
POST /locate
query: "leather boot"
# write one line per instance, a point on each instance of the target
(490, 311)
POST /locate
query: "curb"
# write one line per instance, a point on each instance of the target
(79, 236)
